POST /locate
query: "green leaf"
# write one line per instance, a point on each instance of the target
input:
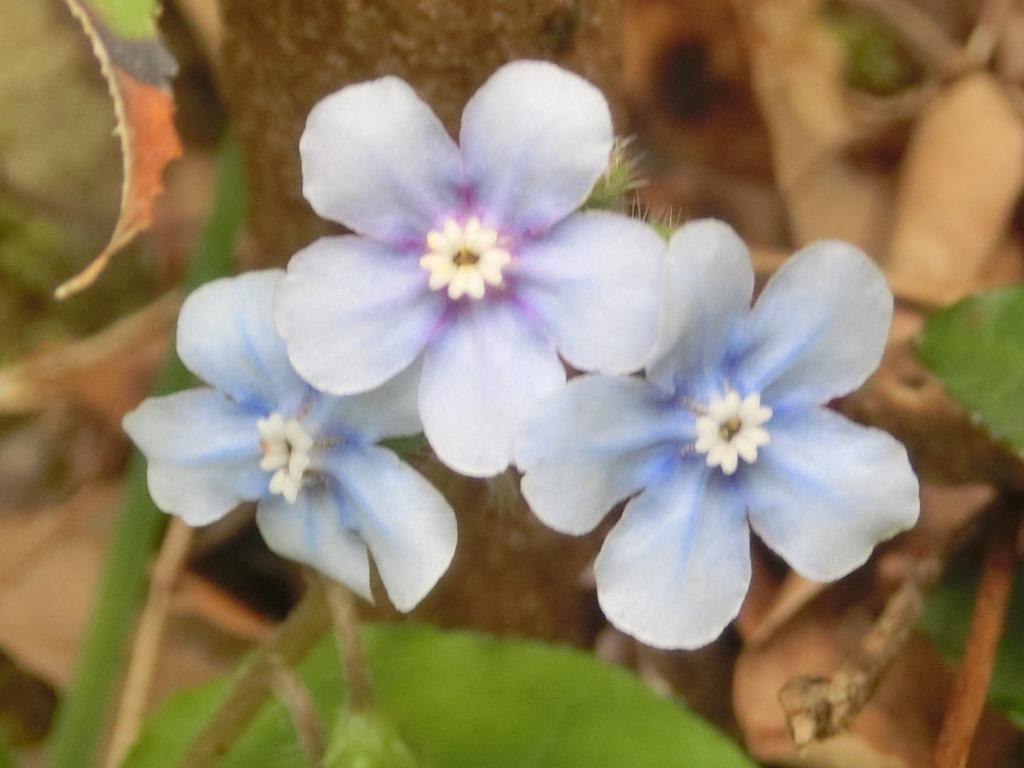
(367, 740)
(131, 18)
(946, 619)
(976, 347)
(464, 700)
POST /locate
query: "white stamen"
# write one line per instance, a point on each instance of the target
(465, 258)
(286, 452)
(733, 430)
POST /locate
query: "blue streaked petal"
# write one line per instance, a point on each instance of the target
(202, 493)
(311, 531)
(591, 444)
(705, 297)
(390, 410)
(594, 281)
(818, 329)
(406, 522)
(354, 313)
(196, 426)
(534, 140)
(674, 570)
(481, 377)
(376, 159)
(825, 491)
(226, 336)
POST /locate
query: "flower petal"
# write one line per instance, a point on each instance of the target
(196, 426)
(586, 447)
(203, 452)
(674, 570)
(376, 159)
(705, 297)
(390, 410)
(311, 531)
(825, 491)
(354, 313)
(534, 140)
(481, 376)
(818, 329)
(406, 522)
(226, 336)
(594, 280)
(202, 493)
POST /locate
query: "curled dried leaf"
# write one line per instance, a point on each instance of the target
(138, 71)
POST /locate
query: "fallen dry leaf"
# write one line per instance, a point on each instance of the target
(797, 74)
(898, 727)
(107, 373)
(960, 180)
(138, 73)
(42, 610)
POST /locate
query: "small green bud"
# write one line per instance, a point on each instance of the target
(367, 740)
(612, 190)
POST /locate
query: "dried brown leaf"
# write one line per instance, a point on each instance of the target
(107, 373)
(52, 559)
(960, 179)
(138, 73)
(797, 73)
(896, 729)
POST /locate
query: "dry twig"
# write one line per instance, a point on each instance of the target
(251, 687)
(341, 604)
(967, 699)
(146, 650)
(819, 707)
(292, 692)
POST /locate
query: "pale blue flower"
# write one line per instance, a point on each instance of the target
(729, 432)
(328, 494)
(469, 257)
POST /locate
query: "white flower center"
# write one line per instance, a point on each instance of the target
(465, 258)
(286, 452)
(732, 429)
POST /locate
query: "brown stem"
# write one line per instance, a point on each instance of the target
(983, 38)
(967, 699)
(819, 707)
(146, 650)
(251, 688)
(341, 604)
(292, 692)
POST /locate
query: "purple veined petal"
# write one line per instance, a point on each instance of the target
(818, 329)
(312, 531)
(407, 524)
(534, 140)
(825, 491)
(594, 281)
(674, 570)
(376, 159)
(589, 445)
(481, 377)
(706, 293)
(226, 336)
(354, 313)
(388, 411)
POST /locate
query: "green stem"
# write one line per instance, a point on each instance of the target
(85, 703)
